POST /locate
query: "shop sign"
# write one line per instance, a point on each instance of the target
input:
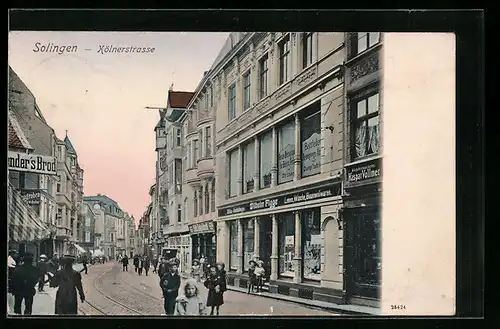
(203, 227)
(34, 163)
(32, 197)
(363, 173)
(311, 155)
(287, 199)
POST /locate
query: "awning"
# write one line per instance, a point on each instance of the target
(24, 223)
(80, 248)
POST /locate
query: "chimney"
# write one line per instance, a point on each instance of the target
(99, 194)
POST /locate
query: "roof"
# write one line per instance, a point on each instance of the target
(70, 147)
(179, 99)
(101, 198)
(17, 139)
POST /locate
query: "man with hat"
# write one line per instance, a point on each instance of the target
(43, 268)
(69, 281)
(170, 284)
(24, 279)
(11, 265)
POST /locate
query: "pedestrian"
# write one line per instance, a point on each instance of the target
(11, 265)
(69, 282)
(155, 263)
(190, 303)
(24, 279)
(125, 263)
(259, 275)
(84, 263)
(146, 264)
(162, 267)
(252, 280)
(170, 284)
(43, 268)
(216, 287)
(140, 265)
(195, 270)
(203, 267)
(136, 263)
(55, 262)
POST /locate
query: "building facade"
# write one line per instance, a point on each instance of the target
(131, 237)
(172, 201)
(279, 144)
(88, 228)
(30, 133)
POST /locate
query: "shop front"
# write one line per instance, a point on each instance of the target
(204, 241)
(182, 243)
(362, 231)
(293, 235)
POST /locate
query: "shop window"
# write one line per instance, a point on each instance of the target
(263, 73)
(307, 47)
(284, 51)
(248, 241)
(266, 159)
(312, 243)
(366, 132)
(248, 166)
(286, 152)
(310, 138)
(234, 169)
(286, 247)
(233, 238)
(367, 254)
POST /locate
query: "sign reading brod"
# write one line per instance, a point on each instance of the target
(32, 163)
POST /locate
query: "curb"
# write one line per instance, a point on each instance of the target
(332, 307)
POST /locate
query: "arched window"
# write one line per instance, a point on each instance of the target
(195, 203)
(213, 196)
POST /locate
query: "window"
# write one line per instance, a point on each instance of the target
(205, 100)
(14, 178)
(87, 221)
(246, 90)
(207, 200)
(366, 40)
(263, 70)
(286, 246)
(189, 156)
(284, 49)
(233, 172)
(233, 238)
(200, 200)
(211, 93)
(59, 217)
(366, 139)
(286, 152)
(195, 203)
(178, 176)
(248, 241)
(248, 166)
(307, 48)
(185, 210)
(178, 140)
(232, 103)
(195, 153)
(310, 138)
(368, 258)
(31, 181)
(179, 213)
(212, 198)
(208, 141)
(266, 159)
(49, 186)
(312, 243)
(87, 237)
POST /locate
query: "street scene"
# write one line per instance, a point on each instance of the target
(194, 174)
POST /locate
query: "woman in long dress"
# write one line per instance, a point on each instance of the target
(69, 281)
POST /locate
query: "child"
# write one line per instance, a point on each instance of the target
(191, 303)
(216, 288)
(252, 281)
(195, 270)
(259, 275)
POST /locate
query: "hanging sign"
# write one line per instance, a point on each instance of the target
(34, 163)
(363, 173)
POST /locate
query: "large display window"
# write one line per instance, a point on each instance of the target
(248, 241)
(312, 243)
(286, 247)
(233, 241)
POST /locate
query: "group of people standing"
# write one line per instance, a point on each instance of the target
(141, 263)
(23, 276)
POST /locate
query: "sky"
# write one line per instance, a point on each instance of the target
(99, 98)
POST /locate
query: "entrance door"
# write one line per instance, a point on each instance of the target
(362, 262)
(266, 242)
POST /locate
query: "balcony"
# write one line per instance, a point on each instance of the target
(192, 177)
(205, 168)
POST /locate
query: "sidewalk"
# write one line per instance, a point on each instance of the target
(43, 302)
(345, 309)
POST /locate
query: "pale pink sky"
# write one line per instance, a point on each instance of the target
(100, 99)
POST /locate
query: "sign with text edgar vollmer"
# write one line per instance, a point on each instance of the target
(34, 163)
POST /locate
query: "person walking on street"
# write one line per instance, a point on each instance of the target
(11, 265)
(170, 284)
(195, 270)
(155, 263)
(55, 262)
(162, 268)
(84, 263)
(141, 265)
(190, 303)
(24, 279)
(43, 268)
(125, 263)
(147, 264)
(69, 282)
(216, 287)
(203, 267)
(136, 263)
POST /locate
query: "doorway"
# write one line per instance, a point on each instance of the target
(266, 243)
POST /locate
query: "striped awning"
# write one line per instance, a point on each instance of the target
(24, 223)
